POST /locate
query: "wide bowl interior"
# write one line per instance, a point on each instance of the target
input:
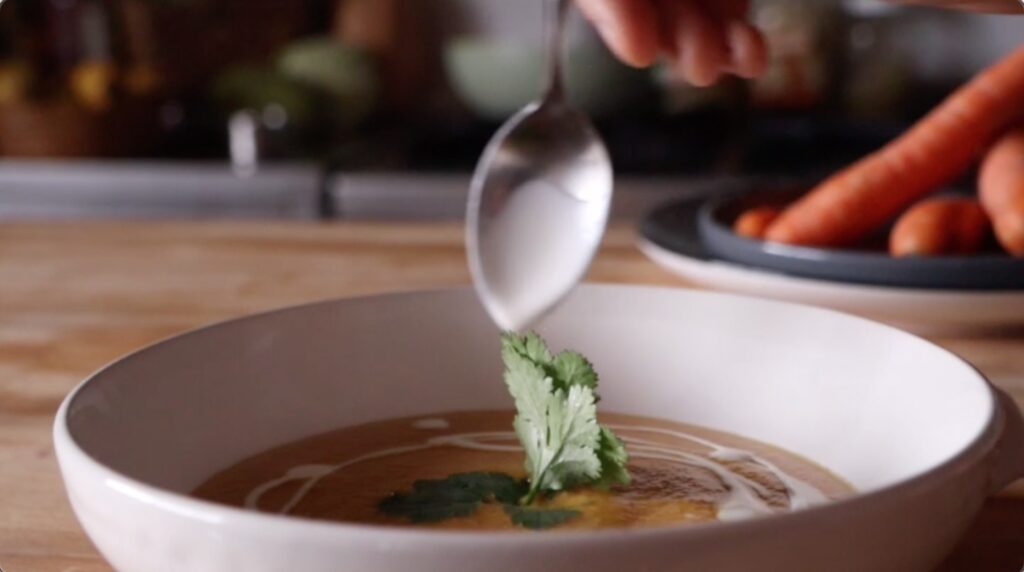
(871, 403)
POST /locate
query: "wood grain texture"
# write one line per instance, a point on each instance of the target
(74, 296)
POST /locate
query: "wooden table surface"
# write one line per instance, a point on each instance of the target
(74, 296)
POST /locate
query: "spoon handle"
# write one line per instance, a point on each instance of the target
(555, 17)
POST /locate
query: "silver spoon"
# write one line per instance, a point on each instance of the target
(539, 201)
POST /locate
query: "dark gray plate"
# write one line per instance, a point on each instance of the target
(703, 229)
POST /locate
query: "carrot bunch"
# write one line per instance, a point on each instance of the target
(871, 192)
(1001, 188)
(940, 226)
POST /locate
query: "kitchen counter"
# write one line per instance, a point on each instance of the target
(212, 190)
(74, 296)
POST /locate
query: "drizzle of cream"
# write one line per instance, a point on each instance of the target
(801, 494)
(498, 441)
(745, 496)
(431, 424)
(730, 455)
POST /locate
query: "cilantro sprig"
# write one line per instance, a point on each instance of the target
(556, 422)
(556, 419)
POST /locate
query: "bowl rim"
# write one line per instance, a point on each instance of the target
(73, 459)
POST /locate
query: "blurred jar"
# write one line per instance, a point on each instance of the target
(62, 87)
(75, 52)
(802, 37)
(878, 72)
(495, 59)
(401, 37)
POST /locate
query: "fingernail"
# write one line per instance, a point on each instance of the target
(744, 55)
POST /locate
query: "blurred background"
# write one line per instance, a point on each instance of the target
(380, 108)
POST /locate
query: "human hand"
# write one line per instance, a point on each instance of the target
(703, 39)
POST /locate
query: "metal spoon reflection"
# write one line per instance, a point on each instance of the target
(539, 202)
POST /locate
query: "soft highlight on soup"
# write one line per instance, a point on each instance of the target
(680, 474)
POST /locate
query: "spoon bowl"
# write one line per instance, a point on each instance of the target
(538, 204)
(538, 209)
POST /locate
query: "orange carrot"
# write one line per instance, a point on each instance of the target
(862, 197)
(754, 222)
(938, 227)
(1001, 187)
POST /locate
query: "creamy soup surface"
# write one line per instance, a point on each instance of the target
(681, 474)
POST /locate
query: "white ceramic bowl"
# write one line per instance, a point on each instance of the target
(918, 431)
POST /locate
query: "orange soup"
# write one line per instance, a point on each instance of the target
(363, 474)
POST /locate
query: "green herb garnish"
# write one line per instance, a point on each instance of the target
(539, 518)
(556, 422)
(458, 495)
(556, 419)
(462, 494)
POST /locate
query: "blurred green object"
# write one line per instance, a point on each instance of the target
(257, 88)
(319, 83)
(496, 78)
(344, 73)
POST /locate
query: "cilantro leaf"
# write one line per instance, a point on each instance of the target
(529, 346)
(461, 494)
(539, 518)
(571, 368)
(556, 419)
(565, 369)
(458, 495)
(612, 453)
